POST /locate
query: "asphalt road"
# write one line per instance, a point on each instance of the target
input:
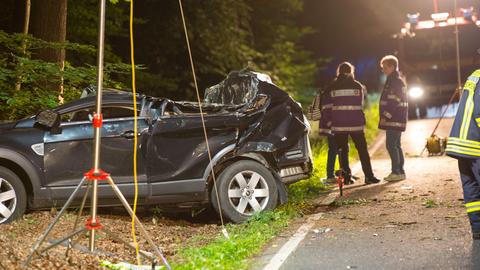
(418, 223)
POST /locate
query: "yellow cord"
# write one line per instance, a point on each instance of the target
(135, 139)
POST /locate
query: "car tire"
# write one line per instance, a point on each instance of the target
(13, 198)
(238, 199)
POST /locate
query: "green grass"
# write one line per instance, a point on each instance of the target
(249, 238)
(351, 202)
(430, 203)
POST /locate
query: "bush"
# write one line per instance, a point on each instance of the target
(39, 80)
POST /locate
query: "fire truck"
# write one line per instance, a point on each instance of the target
(437, 54)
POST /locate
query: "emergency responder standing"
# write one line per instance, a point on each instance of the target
(348, 119)
(393, 115)
(325, 129)
(464, 145)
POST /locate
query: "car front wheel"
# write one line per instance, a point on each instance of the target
(244, 188)
(13, 198)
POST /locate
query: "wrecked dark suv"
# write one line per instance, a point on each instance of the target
(257, 134)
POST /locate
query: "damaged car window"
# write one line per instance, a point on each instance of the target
(86, 114)
(238, 88)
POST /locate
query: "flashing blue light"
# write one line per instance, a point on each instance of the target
(413, 18)
(467, 13)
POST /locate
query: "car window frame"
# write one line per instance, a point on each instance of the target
(89, 105)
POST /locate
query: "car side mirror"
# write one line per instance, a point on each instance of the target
(48, 119)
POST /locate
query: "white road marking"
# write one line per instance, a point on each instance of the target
(292, 244)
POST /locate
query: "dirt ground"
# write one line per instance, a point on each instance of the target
(169, 234)
(431, 195)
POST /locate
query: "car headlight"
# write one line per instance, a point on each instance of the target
(415, 92)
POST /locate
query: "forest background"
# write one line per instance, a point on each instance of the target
(48, 56)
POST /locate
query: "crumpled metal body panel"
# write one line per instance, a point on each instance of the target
(251, 113)
(176, 148)
(237, 88)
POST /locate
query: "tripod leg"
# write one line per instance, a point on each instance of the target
(68, 237)
(50, 227)
(146, 254)
(137, 221)
(80, 212)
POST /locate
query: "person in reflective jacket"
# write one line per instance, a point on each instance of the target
(325, 129)
(464, 145)
(348, 119)
(393, 115)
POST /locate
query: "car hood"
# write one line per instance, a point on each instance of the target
(8, 125)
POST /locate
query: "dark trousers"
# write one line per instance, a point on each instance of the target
(470, 175)
(332, 156)
(361, 145)
(394, 148)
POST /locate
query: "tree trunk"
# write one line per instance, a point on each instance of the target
(26, 24)
(49, 22)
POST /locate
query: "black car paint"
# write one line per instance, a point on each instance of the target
(173, 165)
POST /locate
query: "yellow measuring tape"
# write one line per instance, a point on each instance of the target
(135, 136)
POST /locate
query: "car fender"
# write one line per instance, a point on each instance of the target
(29, 169)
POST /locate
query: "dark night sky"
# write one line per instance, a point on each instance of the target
(359, 29)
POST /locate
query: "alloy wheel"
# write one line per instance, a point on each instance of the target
(8, 200)
(248, 192)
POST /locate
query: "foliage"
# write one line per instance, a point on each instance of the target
(82, 28)
(351, 202)
(36, 75)
(430, 203)
(277, 40)
(225, 35)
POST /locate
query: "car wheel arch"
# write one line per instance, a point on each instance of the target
(24, 169)
(230, 158)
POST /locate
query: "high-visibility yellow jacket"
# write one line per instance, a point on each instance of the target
(464, 140)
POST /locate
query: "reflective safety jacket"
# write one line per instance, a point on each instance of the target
(464, 140)
(393, 104)
(347, 105)
(325, 124)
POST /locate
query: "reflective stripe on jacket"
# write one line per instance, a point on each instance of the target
(464, 140)
(347, 96)
(393, 104)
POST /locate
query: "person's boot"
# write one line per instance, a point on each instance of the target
(348, 180)
(395, 177)
(372, 180)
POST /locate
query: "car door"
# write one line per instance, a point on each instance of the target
(176, 156)
(69, 153)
